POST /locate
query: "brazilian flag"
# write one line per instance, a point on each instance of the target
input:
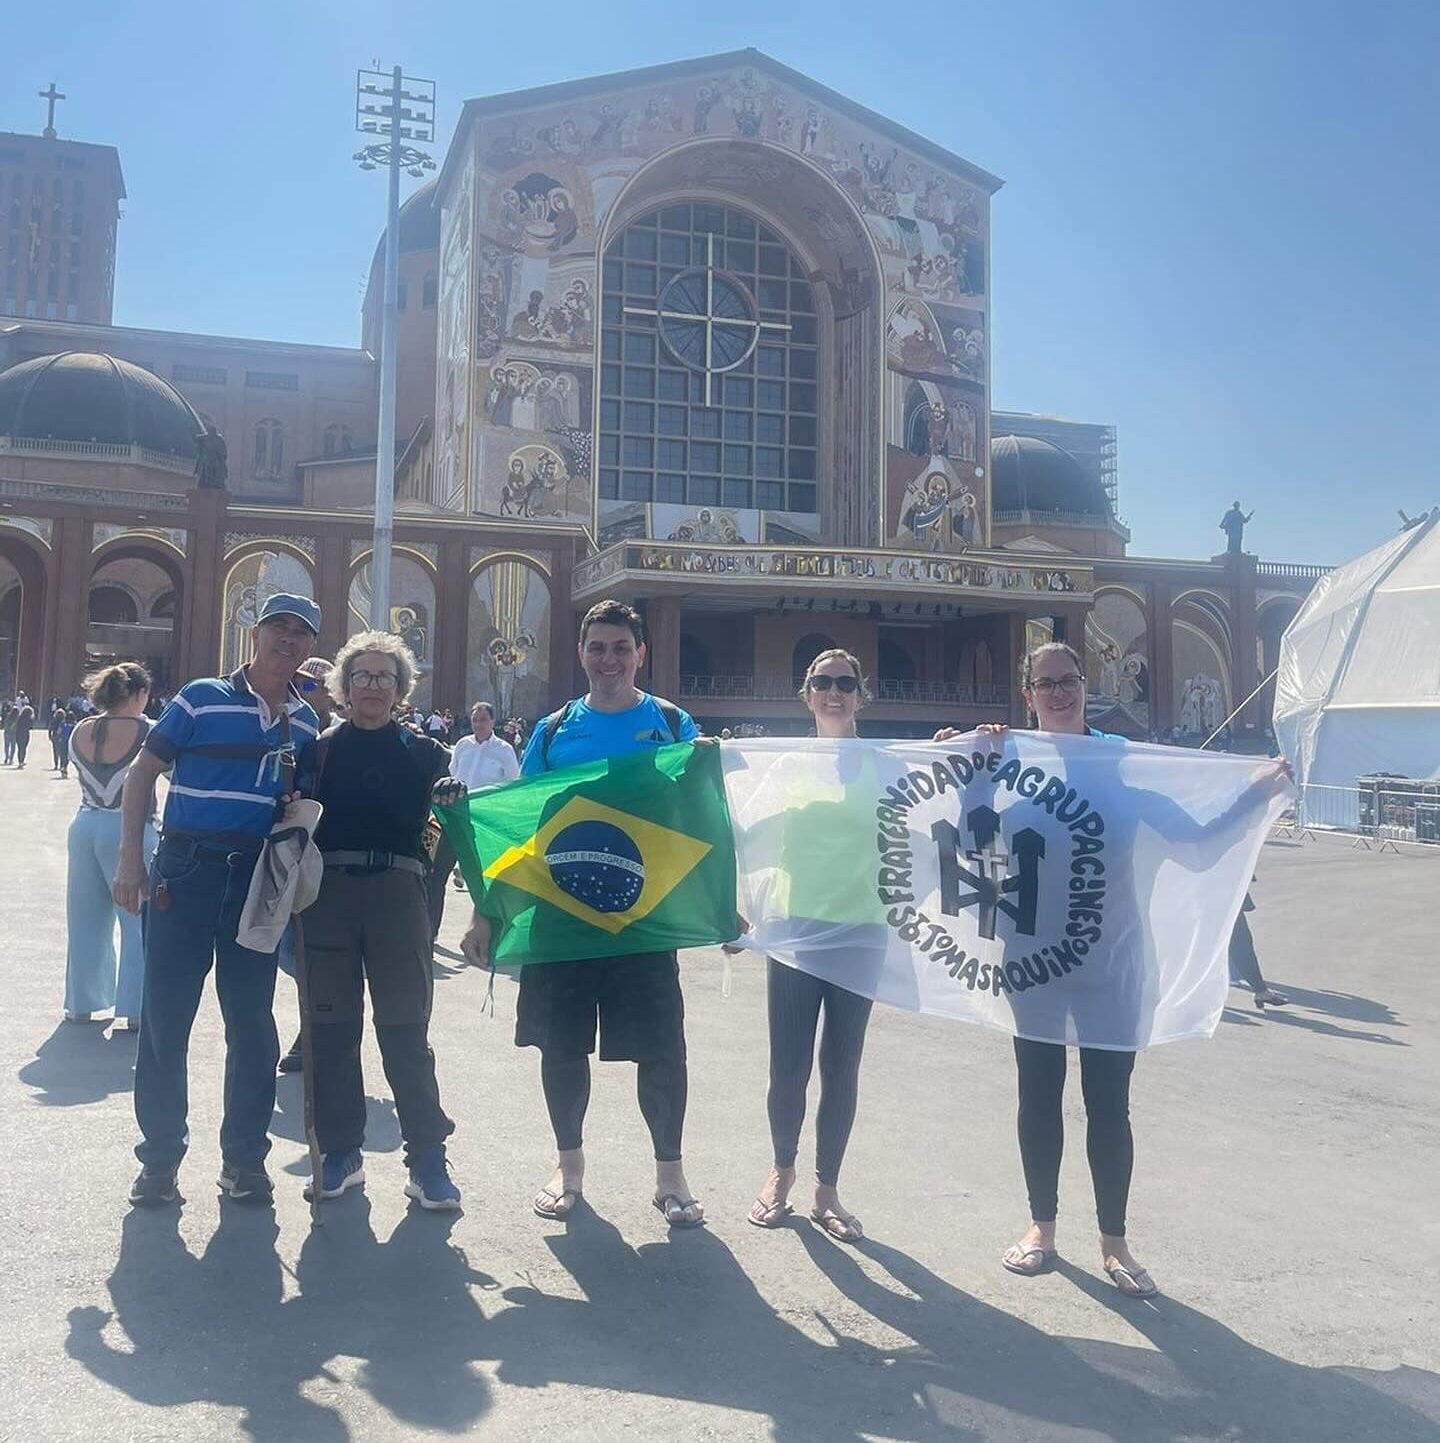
(606, 859)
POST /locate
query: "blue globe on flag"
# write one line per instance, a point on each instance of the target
(597, 865)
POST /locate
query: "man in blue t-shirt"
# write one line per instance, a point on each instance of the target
(228, 743)
(635, 1000)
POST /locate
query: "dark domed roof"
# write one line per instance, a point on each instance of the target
(83, 396)
(1032, 475)
(419, 227)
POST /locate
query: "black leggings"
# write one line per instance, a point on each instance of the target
(795, 999)
(662, 1087)
(1105, 1082)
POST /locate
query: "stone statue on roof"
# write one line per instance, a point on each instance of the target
(212, 467)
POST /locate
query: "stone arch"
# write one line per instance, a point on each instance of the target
(1274, 614)
(806, 650)
(23, 597)
(144, 567)
(1119, 662)
(822, 225)
(413, 594)
(507, 635)
(255, 570)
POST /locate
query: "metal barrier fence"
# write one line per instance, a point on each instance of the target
(1375, 815)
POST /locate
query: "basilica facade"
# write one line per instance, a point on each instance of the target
(708, 337)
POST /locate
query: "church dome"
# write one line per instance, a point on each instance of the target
(419, 227)
(84, 396)
(1032, 475)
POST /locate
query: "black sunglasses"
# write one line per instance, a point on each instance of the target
(846, 684)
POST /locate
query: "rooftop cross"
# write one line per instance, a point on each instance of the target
(52, 95)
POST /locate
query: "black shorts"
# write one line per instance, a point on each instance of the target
(636, 1001)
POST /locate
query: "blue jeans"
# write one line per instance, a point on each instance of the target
(203, 894)
(90, 982)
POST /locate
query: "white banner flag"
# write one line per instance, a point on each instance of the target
(1066, 889)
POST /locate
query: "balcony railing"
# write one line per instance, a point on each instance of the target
(95, 451)
(1291, 571)
(1079, 519)
(779, 688)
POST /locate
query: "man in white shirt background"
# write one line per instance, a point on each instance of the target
(479, 760)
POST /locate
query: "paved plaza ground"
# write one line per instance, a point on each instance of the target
(1285, 1200)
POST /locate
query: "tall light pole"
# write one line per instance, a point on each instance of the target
(402, 109)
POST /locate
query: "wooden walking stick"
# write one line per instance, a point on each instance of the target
(307, 1071)
(302, 989)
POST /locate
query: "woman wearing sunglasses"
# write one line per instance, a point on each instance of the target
(833, 690)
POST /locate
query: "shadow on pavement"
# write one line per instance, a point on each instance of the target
(1345, 1005)
(217, 1328)
(78, 1063)
(382, 1126)
(680, 1320)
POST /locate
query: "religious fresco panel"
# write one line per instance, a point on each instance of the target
(412, 614)
(508, 639)
(1117, 666)
(545, 182)
(249, 584)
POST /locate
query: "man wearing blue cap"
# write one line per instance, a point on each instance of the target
(227, 742)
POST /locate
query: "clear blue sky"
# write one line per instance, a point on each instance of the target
(1220, 228)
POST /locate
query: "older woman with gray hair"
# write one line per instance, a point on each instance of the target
(370, 923)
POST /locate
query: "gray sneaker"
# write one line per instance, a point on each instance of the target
(154, 1187)
(247, 1183)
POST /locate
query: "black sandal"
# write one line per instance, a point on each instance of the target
(663, 1205)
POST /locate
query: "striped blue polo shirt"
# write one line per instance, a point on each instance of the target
(224, 748)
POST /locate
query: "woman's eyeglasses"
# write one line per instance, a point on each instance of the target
(380, 680)
(845, 684)
(1048, 686)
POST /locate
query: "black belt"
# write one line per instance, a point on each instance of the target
(191, 848)
(375, 862)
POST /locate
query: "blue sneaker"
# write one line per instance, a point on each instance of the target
(338, 1171)
(430, 1183)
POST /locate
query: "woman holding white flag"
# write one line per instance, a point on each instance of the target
(1052, 680)
(833, 690)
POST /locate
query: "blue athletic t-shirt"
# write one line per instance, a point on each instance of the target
(587, 735)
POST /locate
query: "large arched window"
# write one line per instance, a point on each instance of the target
(269, 450)
(709, 362)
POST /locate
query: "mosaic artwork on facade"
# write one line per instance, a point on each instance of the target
(106, 531)
(862, 568)
(508, 638)
(40, 527)
(545, 182)
(412, 612)
(236, 539)
(1117, 665)
(249, 583)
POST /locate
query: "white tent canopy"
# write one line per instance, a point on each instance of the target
(1358, 690)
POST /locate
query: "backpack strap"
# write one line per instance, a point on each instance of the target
(671, 713)
(552, 724)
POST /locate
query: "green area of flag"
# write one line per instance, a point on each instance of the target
(607, 859)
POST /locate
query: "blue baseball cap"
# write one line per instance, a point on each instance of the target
(283, 603)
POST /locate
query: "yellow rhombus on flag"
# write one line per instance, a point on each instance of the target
(667, 856)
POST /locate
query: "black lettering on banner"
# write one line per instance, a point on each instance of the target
(1050, 793)
(921, 784)
(944, 780)
(892, 897)
(894, 877)
(1028, 782)
(1008, 774)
